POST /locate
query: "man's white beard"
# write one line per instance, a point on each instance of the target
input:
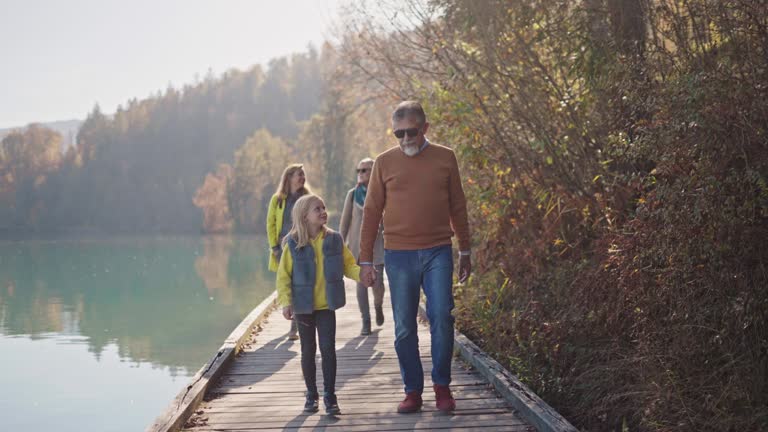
(410, 150)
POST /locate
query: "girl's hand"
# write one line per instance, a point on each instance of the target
(276, 251)
(288, 312)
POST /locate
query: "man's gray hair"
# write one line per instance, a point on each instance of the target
(365, 160)
(410, 109)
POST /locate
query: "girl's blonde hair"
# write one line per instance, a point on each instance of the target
(300, 230)
(284, 188)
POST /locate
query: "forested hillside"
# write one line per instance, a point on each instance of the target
(144, 168)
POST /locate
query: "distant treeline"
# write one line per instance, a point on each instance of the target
(205, 157)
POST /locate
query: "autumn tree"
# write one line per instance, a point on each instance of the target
(212, 198)
(258, 166)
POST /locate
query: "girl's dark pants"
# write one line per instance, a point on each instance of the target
(322, 323)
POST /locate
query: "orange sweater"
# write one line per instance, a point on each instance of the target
(421, 199)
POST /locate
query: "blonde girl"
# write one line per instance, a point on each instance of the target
(310, 287)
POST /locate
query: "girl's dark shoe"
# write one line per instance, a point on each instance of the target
(311, 405)
(331, 405)
(379, 316)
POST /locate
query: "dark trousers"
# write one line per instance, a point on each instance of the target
(378, 294)
(322, 323)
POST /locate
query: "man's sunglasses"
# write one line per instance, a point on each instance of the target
(412, 132)
(362, 170)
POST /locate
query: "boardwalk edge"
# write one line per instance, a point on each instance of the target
(185, 403)
(528, 404)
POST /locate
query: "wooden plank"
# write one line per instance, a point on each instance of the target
(353, 418)
(342, 360)
(297, 403)
(392, 395)
(300, 387)
(360, 388)
(390, 416)
(237, 370)
(511, 428)
(480, 421)
(360, 355)
(382, 410)
(342, 378)
(292, 353)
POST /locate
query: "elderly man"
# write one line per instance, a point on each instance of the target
(349, 227)
(417, 188)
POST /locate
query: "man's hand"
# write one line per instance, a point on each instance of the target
(288, 312)
(465, 268)
(367, 275)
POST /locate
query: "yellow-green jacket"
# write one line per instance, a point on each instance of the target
(274, 225)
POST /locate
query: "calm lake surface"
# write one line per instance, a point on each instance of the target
(100, 334)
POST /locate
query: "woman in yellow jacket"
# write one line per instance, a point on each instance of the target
(293, 185)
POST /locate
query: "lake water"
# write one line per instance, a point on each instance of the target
(101, 334)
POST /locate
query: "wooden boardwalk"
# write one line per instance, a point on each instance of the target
(263, 388)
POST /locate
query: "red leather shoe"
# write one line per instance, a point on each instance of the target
(411, 403)
(443, 398)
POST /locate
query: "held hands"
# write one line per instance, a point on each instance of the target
(276, 251)
(288, 312)
(465, 268)
(367, 275)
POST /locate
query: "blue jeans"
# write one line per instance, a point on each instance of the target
(408, 271)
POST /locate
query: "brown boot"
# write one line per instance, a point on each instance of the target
(411, 404)
(443, 398)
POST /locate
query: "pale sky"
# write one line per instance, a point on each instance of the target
(60, 57)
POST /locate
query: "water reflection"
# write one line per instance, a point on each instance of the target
(166, 301)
